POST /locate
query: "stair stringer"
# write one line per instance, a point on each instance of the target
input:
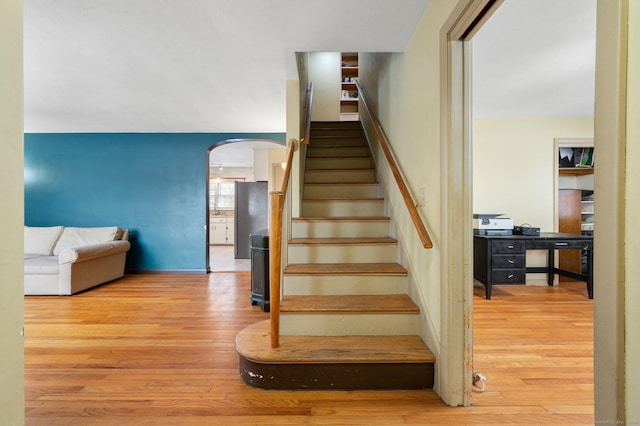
(427, 329)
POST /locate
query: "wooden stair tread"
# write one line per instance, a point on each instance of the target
(345, 269)
(359, 157)
(354, 240)
(343, 169)
(342, 183)
(322, 124)
(342, 218)
(385, 303)
(337, 145)
(254, 343)
(344, 199)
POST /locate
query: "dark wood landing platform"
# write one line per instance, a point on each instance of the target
(333, 362)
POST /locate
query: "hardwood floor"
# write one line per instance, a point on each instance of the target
(159, 349)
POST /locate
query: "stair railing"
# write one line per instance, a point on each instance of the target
(425, 239)
(278, 200)
(307, 115)
(275, 246)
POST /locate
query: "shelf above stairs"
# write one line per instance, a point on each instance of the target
(346, 320)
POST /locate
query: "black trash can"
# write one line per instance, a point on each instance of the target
(260, 269)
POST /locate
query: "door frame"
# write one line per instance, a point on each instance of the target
(456, 282)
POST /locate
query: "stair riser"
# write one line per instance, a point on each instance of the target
(338, 208)
(337, 141)
(345, 253)
(338, 229)
(328, 163)
(346, 176)
(335, 125)
(336, 132)
(344, 190)
(347, 151)
(309, 285)
(330, 376)
(347, 324)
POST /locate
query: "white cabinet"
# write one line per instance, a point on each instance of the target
(230, 232)
(221, 232)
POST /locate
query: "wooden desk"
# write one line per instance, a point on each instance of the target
(502, 259)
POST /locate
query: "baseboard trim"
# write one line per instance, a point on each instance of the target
(167, 271)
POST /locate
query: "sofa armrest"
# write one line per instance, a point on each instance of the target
(92, 251)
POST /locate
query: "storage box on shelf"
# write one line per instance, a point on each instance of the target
(349, 93)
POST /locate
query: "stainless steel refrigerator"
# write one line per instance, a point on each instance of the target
(251, 214)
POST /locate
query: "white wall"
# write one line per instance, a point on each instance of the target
(325, 73)
(11, 215)
(261, 164)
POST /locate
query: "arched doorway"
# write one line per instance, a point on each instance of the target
(237, 165)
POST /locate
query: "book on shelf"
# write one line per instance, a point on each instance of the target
(576, 157)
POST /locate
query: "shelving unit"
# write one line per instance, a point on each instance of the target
(575, 201)
(349, 92)
(586, 212)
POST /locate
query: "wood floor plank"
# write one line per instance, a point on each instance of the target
(159, 350)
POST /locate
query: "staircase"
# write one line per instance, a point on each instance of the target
(346, 319)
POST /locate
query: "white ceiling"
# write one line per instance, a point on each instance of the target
(536, 58)
(187, 65)
(221, 65)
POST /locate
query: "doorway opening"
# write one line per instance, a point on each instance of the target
(457, 151)
(240, 173)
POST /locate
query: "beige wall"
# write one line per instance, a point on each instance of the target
(324, 72)
(616, 317)
(11, 215)
(632, 289)
(404, 90)
(513, 169)
(513, 165)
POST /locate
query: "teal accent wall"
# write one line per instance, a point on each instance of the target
(154, 184)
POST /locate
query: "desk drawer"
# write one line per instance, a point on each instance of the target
(559, 244)
(508, 246)
(508, 261)
(509, 276)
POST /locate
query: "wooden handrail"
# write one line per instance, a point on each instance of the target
(425, 239)
(293, 146)
(275, 246)
(307, 123)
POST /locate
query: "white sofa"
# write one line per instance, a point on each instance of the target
(64, 260)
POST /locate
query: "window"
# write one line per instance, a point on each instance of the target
(222, 193)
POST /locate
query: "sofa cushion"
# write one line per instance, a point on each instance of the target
(41, 265)
(77, 237)
(41, 239)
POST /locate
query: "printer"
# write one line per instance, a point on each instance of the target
(492, 224)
